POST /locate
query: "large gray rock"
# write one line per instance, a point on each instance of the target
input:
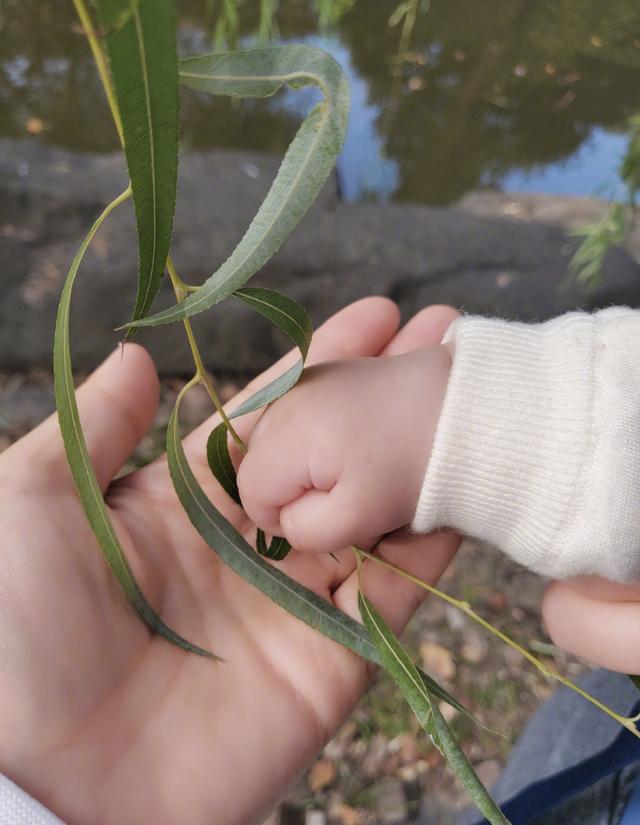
(490, 253)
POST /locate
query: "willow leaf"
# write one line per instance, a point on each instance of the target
(283, 311)
(294, 321)
(277, 549)
(142, 53)
(223, 470)
(238, 554)
(275, 389)
(220, 462)
(405, 674)
(304, 169)
(261, 542)
(78, 457)
(636, 681)
(221, 466)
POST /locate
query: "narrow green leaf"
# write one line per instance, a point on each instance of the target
(220, 462)
(636, 681)
(294, 321)
(405, 674)
(304, 169)
(222, 468)
(283, 311)
(142, 53)
(277, 550)
(238, 554)
(397, 662)
(275, 389)
(77, 455)
(261, 543)
(456, 757)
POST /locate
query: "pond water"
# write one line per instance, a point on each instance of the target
(447, 96)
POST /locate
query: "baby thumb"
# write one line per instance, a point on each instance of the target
(322, 522)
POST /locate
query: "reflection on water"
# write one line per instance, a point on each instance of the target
(522, 94)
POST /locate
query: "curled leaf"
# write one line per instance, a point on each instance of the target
(220, 462)
(294, 321)
(83, 473)
(222, 468)
(277, 550)
(304, 169)
(283, 311)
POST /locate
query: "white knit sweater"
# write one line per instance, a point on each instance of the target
(18, 808)
(538, 445)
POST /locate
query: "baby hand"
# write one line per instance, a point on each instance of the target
(340, 459)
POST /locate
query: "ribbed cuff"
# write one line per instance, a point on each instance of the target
(532, 447)
(18, 808)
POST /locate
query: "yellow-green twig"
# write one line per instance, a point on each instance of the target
(201, 370)
(465, 607)
(101, 63)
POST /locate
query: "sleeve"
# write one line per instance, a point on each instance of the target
(18, 808)
(537, 449)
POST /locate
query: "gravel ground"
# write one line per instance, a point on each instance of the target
(380, 768)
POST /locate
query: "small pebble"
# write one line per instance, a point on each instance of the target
(322, 774)
(438, 661)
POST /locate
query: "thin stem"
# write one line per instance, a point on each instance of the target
(181, 289)
(466, 608)
(101, 63)
(191, 383)
(201, 371)
(184, 288)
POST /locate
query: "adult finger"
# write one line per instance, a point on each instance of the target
(425, 329)
(117, 405)
(606, 633)
(603, 589)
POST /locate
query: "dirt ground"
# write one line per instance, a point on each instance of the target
(380, 768)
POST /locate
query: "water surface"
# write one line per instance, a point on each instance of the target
(523, 95)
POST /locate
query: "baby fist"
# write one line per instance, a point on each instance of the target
(341, 458)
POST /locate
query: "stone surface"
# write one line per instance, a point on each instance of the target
(489, 253)
(489, 771)
(475, 647)
(341, 814)
(322, 774)
(24, 404)
(391, 804)
(438, 661)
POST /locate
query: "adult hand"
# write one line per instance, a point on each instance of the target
(105, 723)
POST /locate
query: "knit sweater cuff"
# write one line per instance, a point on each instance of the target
(537, 448)
(18, 808)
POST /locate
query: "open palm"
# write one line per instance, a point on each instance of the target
(105, 723)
